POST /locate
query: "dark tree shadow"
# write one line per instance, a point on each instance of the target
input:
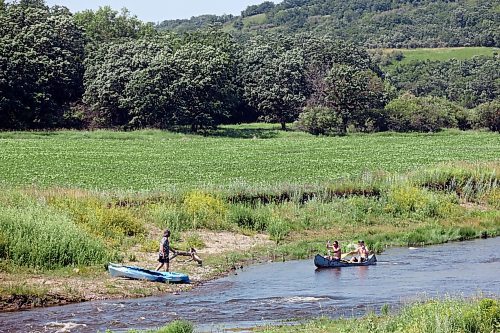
(243, 133)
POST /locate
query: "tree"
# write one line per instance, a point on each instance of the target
(107, 25)
(41, 54)
(351, 92)
(110, 70)
(202, 86)
(274, 80)
(489, 115)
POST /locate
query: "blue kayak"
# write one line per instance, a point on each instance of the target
(138, 273)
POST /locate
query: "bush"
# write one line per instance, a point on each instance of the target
(408, 200)
(205, 210)
(488, 115)
(422, 114)
(319, 120)
(170, 216)
(278, 229)
(242, 216)
(99, 218)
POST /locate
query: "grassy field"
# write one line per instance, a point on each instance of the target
(249, 155)
(442, 54)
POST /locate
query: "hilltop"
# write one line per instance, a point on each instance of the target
(374, 23)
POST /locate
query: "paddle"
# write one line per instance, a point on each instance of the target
(346, 254)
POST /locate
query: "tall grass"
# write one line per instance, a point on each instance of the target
(177, 326)
(443, 316)
(36, 236)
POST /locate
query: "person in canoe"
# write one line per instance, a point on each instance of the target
(163, 255)
(361, 251)
(337, 252)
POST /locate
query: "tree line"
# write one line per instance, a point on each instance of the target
(373, 23)
(107, 69)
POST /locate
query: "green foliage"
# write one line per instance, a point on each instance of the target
(393, 24)
(162, 82)
(205, 210)
(319, 120)
(489, 115)
(351, 92)
(407, 200)
(467, 82)
(177, 326)
(273, 75)
(170, 216)
(40, 237)
(100, 219)
(194, 240)
(41, 54)
(445, 316)
(278, 229)
(422, 114)
(106, 25)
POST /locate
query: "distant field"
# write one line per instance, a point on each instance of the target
(254, 154)
(442, 54)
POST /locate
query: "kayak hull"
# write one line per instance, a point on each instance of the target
(138, 273)
(322, 262)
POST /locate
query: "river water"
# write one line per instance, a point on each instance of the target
(273, 292)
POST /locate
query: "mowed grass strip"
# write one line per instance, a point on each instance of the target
(254, 155)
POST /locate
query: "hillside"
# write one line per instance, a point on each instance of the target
(375, 23)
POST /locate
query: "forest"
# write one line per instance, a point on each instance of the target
(372, 23)
(108, 69)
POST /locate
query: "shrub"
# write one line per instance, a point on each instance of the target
(421, 114)
(278, 229)
(194, 240)
(319, 120)
(205, 210)
(488, 115)
(242, 216)
(99, 218)
(404, 200)
(170, 216)
(177, 326)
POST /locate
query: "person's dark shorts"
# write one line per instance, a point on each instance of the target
(163, 260)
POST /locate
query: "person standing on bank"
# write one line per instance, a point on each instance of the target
(163, 256)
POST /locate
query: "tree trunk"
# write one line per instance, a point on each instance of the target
(283, 126)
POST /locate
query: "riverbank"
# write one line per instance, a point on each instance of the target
(55, 242)
(445, 316)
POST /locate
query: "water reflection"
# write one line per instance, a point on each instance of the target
(362, 272)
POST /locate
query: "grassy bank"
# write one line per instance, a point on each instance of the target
(444, 316)
(448, 316)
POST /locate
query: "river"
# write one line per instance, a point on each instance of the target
(273, 292)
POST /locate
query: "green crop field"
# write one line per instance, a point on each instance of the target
(251, 154)
(443, 54)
